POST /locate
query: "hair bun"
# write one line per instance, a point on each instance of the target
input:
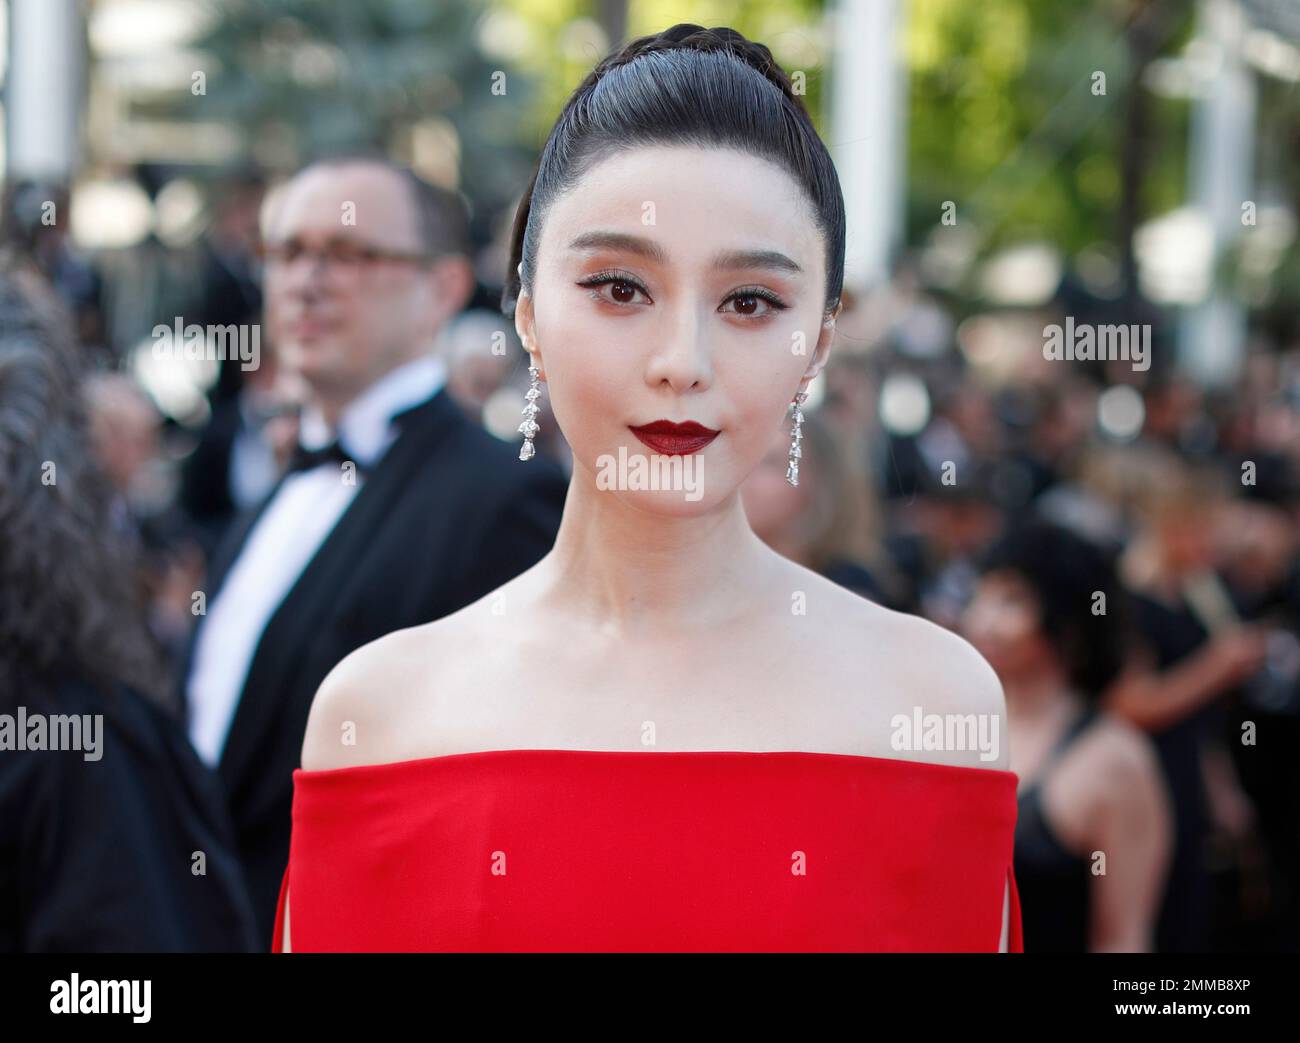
(688, 36)
(705, 101)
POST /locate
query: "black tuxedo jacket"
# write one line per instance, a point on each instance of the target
(448, 514)
(205, 479)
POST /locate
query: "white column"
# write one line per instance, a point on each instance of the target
(43, 88)
(868, 100)
(1212, 334)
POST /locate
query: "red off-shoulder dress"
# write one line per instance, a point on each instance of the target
(600, 851)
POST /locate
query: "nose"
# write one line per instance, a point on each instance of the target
(681, 358)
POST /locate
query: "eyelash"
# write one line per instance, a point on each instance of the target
(607, 277)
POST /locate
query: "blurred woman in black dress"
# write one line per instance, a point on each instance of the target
(121, 844)
(1094, 830)
(1194, 653)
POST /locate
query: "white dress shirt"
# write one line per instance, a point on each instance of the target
(292, 528)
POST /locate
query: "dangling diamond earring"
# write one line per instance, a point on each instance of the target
(796, 436)
(529, 426)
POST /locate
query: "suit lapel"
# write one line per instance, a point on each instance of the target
(315, 597)
(223, 559)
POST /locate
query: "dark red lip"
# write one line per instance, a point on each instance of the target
(663, 436)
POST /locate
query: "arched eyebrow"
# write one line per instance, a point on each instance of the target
(772, 260)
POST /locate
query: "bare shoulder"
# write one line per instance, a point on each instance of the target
(365, 708)
(354, 706)
(1120, 754)
(905, 665)
(946, 670)
(942, 678)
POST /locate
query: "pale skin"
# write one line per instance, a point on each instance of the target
(652, 608)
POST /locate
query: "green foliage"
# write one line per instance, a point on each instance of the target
(301, 77)
(565, 41)
(1004, 119)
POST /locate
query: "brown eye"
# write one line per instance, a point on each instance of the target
(615, 289)
(753, 303)
(623, 292)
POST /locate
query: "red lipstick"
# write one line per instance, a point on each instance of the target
(663, 436)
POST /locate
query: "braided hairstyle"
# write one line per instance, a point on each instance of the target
(689, 85)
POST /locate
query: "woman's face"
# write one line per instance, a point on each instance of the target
(1186, 535)
(676, 284)
(1002, 622)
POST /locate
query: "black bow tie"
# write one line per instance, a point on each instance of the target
(306, 459)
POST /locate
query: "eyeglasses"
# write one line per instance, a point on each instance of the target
(337, 255)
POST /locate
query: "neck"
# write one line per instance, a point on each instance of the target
(1145, 566)
(1035, 697)
(628, 571)
(332, 406)
(789, 544)
(333, 399)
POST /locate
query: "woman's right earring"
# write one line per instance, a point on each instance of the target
(529, 426)
(796, 436)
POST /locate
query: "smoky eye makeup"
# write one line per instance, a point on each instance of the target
(628, 284)
(773, 300)
(606, 277)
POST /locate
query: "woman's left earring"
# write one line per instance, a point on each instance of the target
(529, 426)
(796, 436)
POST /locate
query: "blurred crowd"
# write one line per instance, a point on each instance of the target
(1135, 583)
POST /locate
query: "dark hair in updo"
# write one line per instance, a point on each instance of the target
(689, 85)
(1065, 571)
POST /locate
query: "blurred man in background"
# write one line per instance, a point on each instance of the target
(397, 508)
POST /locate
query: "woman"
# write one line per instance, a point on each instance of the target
(1094, 830)
(113, 837)
(490, 781)
(1196, 653)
